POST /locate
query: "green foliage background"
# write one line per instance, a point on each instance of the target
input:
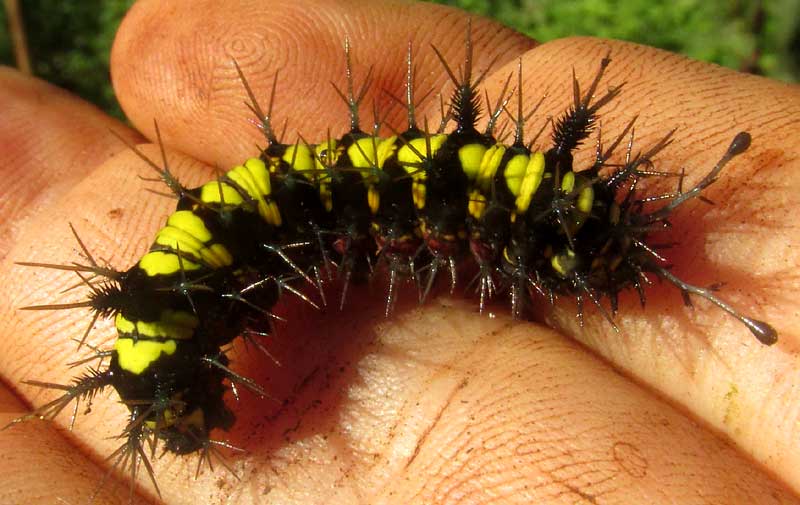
(70, 42)
(759, 36)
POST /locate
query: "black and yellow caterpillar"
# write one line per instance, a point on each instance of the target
(410, 204)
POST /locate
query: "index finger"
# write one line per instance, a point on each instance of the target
(182, 73)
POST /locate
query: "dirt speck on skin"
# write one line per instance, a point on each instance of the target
(732, 408)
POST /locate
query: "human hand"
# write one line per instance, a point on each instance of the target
(436, 404)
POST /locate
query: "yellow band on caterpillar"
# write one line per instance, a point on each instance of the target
(372, 152)
(187, 233)
(300, 159)
(253, 179)
(173, 324)
(415, 151)
(136, 357)
(523, 176)
(489, 165)
(165, 263)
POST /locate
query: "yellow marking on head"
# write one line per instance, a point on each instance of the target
(470, 157)
(170, 414)
(477, 204)
(534, 170)
(173, 324)
(564, 263)
(165, 263)
(273, 164)
(136, 357)
(299, 158)
(218, 192)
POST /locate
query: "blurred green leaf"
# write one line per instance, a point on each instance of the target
(762, 37)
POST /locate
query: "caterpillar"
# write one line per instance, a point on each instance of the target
(410, 204)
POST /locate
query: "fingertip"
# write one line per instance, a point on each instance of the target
(175, 62)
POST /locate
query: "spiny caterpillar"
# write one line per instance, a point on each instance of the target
(410, 204)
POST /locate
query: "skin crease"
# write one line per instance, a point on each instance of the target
(436, 404)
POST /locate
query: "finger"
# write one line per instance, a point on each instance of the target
(174, 62)
(587, 433)
(50, 140)
(107, 209)
(71, 478)
(700, 357)
(444, 404)
(56, 160)
(114, 217)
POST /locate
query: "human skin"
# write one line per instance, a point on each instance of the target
(436, 404)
